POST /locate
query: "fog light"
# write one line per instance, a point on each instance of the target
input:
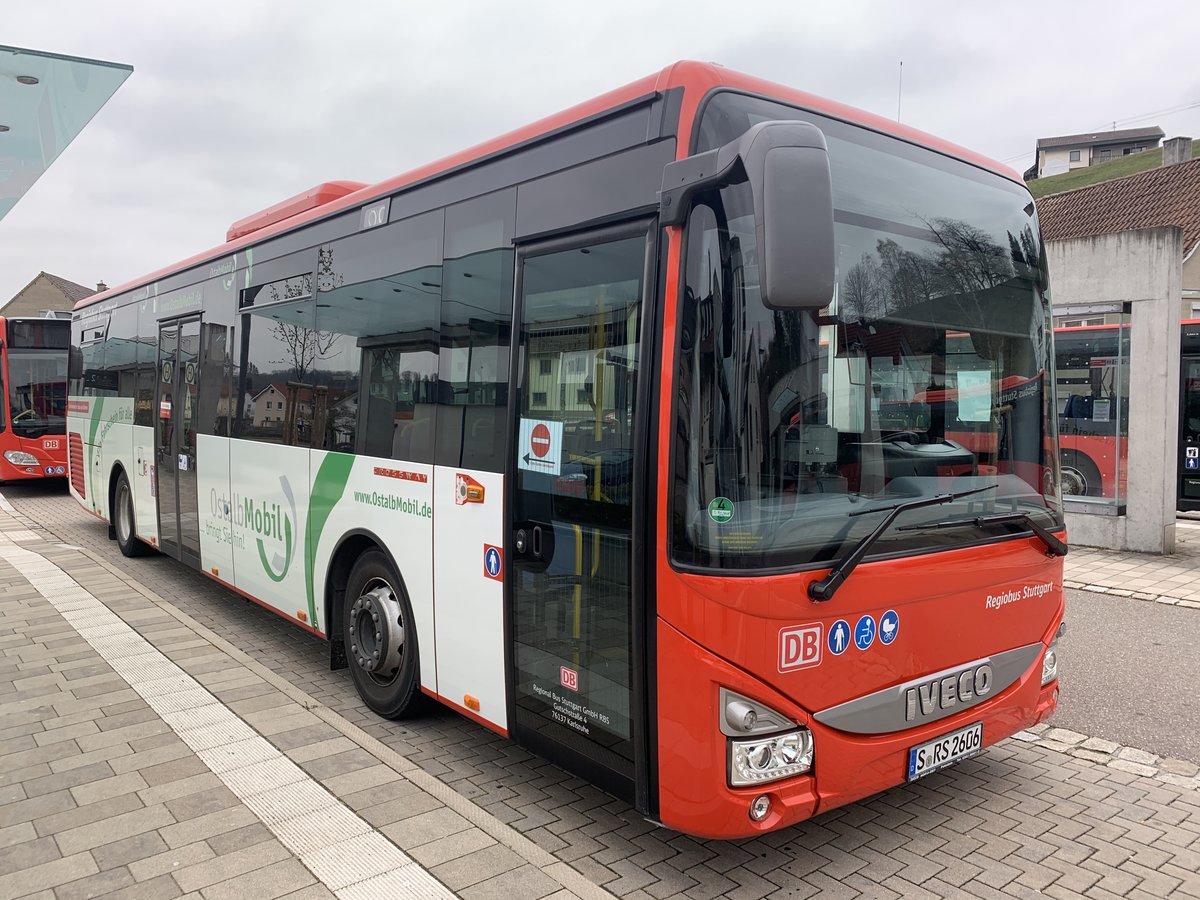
(760, 808)
(764, 759)
(20, 458)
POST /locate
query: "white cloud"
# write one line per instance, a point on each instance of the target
(234, 106)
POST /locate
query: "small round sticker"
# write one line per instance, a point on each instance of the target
(720, 509)
(889, 626)
(864, 633)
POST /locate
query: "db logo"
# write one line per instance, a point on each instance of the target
(568, 677)
(799, 647)
(50, 444)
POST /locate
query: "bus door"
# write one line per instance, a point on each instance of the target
(576, 607)
(1188, 497)
(175, 438)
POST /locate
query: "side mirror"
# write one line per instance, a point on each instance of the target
(787, 167)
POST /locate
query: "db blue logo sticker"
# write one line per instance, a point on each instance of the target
(839, 637)
(889, 626)
(864, 633)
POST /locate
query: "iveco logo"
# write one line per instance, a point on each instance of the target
(930, 698)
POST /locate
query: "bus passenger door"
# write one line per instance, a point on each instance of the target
(575, 606)
(175, 439)
(1188, 498)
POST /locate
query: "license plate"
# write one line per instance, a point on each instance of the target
(944, 751)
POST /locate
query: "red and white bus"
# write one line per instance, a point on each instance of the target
(33, 371)
(581, 432)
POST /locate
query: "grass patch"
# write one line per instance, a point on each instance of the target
(1105, 171)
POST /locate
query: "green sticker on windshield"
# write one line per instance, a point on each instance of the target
(720, 510)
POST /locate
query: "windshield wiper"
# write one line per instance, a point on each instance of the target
(1054, 545)
(826, 587)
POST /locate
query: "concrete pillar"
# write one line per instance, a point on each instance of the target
(1177, 150)
(1144, 269)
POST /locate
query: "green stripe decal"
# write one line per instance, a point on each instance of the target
(328, 488)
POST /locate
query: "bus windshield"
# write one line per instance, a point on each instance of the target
(37, 392)
(926, 373)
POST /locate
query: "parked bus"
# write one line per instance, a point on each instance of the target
(580, 433)
(33, 370)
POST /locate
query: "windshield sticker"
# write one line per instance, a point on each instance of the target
(720, 510)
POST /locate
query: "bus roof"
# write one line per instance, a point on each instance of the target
(695, 78)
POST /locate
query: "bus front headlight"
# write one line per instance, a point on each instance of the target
(769, 758)
(1050, 658)
(20, 458)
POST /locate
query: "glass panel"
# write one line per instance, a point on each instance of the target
(187, 396)
(1092, 373)
(37, 391)
(579, 356)
(926, 373)
(165, 467)
(476, 312)
(380, 292)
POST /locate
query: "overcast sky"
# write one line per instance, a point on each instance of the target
(233, 106)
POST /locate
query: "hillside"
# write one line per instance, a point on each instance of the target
(1105, 171)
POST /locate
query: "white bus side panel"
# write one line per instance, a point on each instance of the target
(143, 482)
(216, 506)
(268, 520)
(470, 598)
(393, 501)
(105, 429)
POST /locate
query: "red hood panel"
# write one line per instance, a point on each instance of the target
(921, 614)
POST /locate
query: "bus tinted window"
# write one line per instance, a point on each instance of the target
(39, 334)
(476, 327)
(378, 295)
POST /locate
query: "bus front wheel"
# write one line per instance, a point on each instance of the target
(124, 520)
(381, 638)
(1080, 477)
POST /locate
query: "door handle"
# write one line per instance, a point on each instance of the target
(537, 541)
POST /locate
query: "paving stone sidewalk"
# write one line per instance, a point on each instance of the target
(1032, 818)
(1173, 579)
(139, 759)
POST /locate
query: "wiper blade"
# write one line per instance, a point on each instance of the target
(1055, 546)
(826, 587)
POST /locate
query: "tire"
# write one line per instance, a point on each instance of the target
(1080, 477)
(385, 664)
(124, 520)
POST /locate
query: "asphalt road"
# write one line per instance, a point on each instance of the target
(1129, 671)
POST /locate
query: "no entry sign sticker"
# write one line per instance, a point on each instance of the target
(539, 448)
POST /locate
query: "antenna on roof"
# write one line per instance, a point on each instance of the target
(900, 90)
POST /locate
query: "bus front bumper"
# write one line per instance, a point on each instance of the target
(693, 763)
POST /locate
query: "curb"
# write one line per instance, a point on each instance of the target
(1165, 599)
(1177, 772)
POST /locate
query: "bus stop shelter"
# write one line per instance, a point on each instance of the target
(45, 101)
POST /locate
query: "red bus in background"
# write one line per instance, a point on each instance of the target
(1092, 374)
(33, 368)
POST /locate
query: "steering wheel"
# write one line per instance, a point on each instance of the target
(910, 436)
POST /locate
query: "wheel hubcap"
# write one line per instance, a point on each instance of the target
(377, 630)
(124, 514)
(1073, 482)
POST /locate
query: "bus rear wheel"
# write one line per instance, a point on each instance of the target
(1080, 477)
(124, 520)
(381, 639)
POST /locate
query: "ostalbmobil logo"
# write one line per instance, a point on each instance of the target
(271, 523)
